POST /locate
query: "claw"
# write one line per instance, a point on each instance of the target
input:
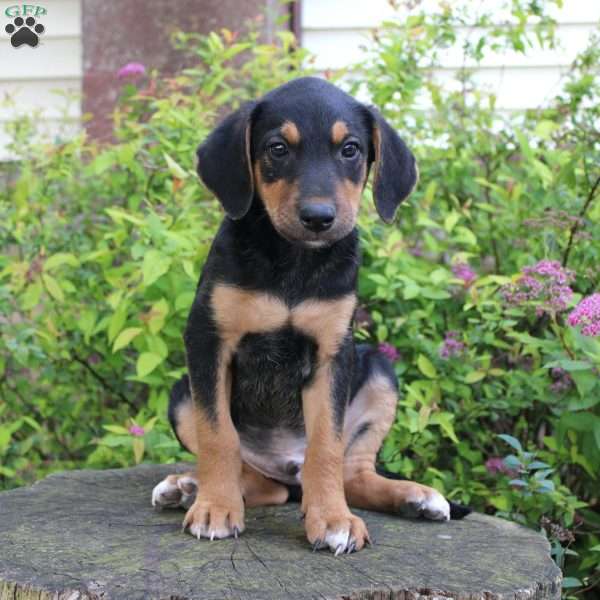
(351, 548)
(316, 545)
(212, 535)
(339, 550)
(236, 533)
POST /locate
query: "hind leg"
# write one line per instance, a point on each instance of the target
(368, 419)
(180, 490)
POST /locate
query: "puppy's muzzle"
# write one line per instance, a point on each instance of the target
(317, 217)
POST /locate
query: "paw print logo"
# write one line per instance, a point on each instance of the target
(24, 31)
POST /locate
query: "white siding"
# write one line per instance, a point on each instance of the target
(35, 80)
(335, 31)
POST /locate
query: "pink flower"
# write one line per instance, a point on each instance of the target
(561, 380)
(543, 287)
(389, 351)
(495, 465)
(136, 430)
(132, 69)
(451, 346)
(463, 271)
(587, 314)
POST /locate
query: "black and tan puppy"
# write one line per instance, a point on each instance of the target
(278, 395)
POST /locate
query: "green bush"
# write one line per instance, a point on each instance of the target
(470, 291)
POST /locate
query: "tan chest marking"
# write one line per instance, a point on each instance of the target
(326, 321)
(238, 312)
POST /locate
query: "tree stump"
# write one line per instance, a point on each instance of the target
(93, 534)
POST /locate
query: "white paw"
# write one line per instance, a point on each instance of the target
(432, 506)
(339, 542)
(175, 491)
(214, 533)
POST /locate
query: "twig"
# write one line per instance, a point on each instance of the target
(105, 383)
(575, 225)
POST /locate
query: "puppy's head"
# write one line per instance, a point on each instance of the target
(305, 150)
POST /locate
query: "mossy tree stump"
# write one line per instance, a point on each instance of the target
(93, 534)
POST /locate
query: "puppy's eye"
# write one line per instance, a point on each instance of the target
(278, 150)
(350, 150)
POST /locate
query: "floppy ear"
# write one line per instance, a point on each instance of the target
(224, 163)
(395, 171)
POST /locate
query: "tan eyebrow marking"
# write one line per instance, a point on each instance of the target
(290, 132)
(339, 131)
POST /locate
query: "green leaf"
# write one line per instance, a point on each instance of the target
(59, 259)
(125, 337)
(545, 128)
(451, 220)
(597, 432)
(188, 267)
(444, 420)
(138, 449)
(500, 502)
(119, 216)
(158, 313)
(475, 376)
(569, 365)
(511, 441)
(117, 320)
(149, 425)
(53, 287)
(465, 236)
(571, 582)
(174, 167)
(426, 367)
(146, 363)
(31, 296)
(114, 441)
(435, 294)
(579, 421)
(155, 265)
(377, 278)
(119, 429)
(184, 301)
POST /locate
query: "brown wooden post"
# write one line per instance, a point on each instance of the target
(116, 32)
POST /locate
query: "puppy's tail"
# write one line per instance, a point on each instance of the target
(457, 511)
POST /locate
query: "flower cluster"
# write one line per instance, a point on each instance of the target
(451, 346)
(545, 285)
(389, 351)
(131, 70)
(561, 380)
(463, 271)
(587, 314)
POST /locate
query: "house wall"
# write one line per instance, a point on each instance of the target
(335, 30)
(31, 77)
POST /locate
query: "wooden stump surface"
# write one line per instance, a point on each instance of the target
(93, 534)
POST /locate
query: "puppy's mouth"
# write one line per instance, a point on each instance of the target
(299, 236)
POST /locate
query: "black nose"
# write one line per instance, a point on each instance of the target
(317, 217)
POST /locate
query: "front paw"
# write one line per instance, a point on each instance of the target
(425, 502)
(338, 530)
(215, 518)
